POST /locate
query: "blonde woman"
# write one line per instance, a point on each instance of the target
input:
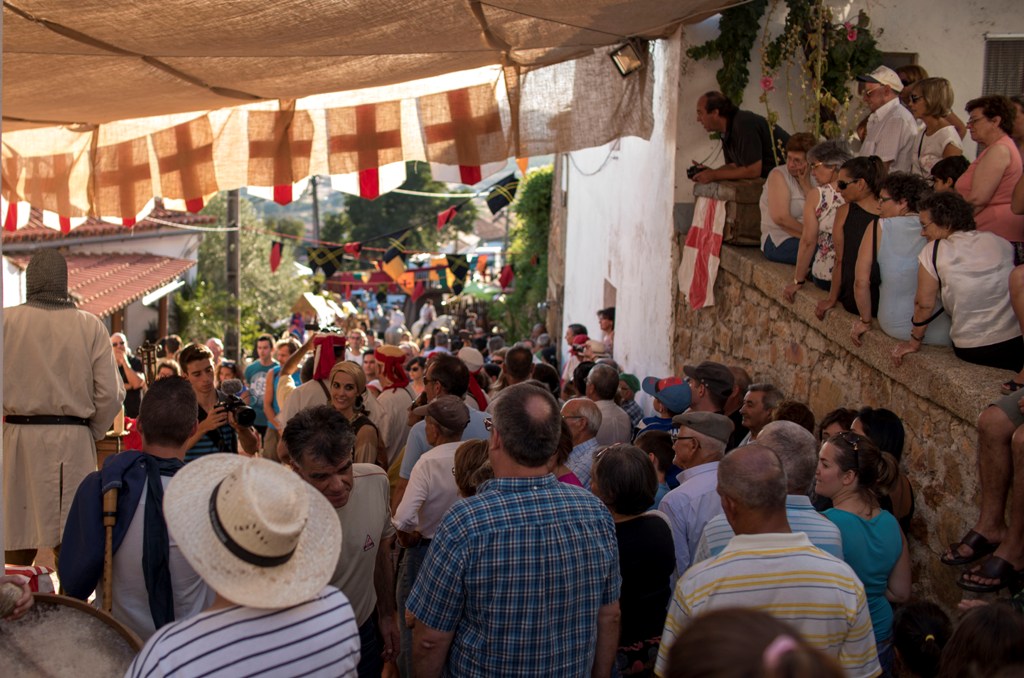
(348, 390)
(930, 100)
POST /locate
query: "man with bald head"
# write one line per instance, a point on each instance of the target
(797, 449)
(526, 565)
(583, 418)
(768, 567)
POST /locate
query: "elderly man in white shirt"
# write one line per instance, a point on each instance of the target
(891, 128)
(429, 495)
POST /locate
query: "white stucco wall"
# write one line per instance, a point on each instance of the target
(619, 231)
(948, 37)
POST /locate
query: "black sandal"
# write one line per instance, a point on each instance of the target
(993, 568)
(979, 545)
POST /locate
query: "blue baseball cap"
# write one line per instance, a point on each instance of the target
(673, 392)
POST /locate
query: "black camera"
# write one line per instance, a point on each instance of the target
(693, 170)
(244, 415)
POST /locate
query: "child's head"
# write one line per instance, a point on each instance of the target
(946, 171)
(920, 631)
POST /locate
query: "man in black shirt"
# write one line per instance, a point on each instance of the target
(747, 140)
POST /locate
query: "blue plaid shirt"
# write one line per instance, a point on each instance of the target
(518, 573)
(581, 460)
(636, 414)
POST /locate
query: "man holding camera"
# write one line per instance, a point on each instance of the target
(219, 430)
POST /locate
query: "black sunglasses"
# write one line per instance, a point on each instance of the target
(843, 185)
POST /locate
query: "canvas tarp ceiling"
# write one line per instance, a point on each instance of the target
(108, 104)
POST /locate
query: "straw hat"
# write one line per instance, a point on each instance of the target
(253, 530)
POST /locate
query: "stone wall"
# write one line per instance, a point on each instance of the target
(938, 396)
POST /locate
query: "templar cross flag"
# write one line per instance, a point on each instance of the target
(699, 268)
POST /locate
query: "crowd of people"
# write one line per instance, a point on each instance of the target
(905, 233)
(424, 502)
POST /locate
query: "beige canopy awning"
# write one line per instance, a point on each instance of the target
(107, 104)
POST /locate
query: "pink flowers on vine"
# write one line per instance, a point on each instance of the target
(767, 84)
(851, 31)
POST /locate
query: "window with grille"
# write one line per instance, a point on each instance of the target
(1004, 65)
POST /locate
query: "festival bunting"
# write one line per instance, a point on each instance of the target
(458, 267)
(446, 216)
(275, 255)
(393, 261)
(481, 264)
(507, 274)
(328, 259)
(502, 193)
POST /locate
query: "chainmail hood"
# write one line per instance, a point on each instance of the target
(46, 281)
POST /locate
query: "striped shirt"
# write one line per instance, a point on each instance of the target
(802, 517)
(791, 579)
(636, 414)
(518, 573)
(315, 638)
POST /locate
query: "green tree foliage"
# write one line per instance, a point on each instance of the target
(528, 254)
(267, 297)
(363, 220)
(738, 31)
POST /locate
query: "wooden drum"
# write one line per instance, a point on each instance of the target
(62, 636)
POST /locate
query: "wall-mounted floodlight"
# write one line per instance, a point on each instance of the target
(628, 58)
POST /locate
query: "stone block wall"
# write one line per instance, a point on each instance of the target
(938, 396)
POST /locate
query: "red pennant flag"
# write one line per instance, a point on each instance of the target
(507, 274)
(275, 256)
(11, 218)
(446, 216)
(417, 291)
(353, 248)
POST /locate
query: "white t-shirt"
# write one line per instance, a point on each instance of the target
(431, 491)
(131, 601)
(973, 269)
(365, 523)
(927, 150)
(316, 638)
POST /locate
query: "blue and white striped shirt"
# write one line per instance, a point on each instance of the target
(802, 517)
(316, 638)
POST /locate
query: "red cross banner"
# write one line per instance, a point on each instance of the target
(463, 128)
(699, 267)
(280, 143)
(123, 184)
(361, 142)
(370, 183)
(185, 159)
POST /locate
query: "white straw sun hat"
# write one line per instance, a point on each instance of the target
(257, 533)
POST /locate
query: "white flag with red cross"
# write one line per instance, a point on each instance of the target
(699, 268)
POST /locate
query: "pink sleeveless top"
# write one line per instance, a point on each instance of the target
(997, 217)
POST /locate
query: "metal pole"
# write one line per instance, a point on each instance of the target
(316, 210)
(232, 347)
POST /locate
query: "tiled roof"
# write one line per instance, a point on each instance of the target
(105, 283)
(34, 231)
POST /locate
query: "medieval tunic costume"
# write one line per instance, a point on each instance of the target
(61, 393)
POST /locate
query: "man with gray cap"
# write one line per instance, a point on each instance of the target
(710, 385)
(699, 444)
(797, 449)
(63, 391)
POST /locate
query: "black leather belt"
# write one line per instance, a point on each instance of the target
(45, 420)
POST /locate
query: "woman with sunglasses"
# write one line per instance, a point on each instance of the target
(816, 254)
(854, 473)
(416, 368)
(860, 180)
(971, 269)
(930, 100)
(989, 181)
(893, 243)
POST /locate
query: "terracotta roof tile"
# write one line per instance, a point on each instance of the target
(104, 283)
